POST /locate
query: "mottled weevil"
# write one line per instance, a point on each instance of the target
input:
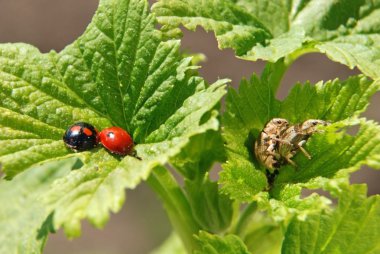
(295, 136)
(266, 144)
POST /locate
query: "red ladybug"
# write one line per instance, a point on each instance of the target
(81, 137)
(116, 140)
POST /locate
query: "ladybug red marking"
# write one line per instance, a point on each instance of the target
(81, 137)
(87, 131)
(116, 140)
(76, 128)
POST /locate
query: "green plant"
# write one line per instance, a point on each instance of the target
(123, 71)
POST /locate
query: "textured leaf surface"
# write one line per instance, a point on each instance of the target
(332, 151)
(22, 217)
(214, 244)
(346, 30)
(244, 114)
(119, 72)
(351, 228)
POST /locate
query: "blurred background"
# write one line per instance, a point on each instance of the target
(142, 223)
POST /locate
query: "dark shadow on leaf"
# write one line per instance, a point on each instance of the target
(205, 118)
(47, 227)
(78, 164)
(250, 144)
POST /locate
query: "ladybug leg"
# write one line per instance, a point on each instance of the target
(134, 154)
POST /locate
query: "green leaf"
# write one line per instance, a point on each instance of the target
(333, 100)
(233, 26)
(176, 205)
(214, 244)
(247, 110)
(199, 155)
(273, 14)
(332, 152)
(22, 213)
(119, 72)
(171, 245)
(347, 31)
(351, 228)
(261, 235)
(211, 209)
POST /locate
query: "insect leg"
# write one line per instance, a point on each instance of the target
(269, 162)
(287, 158)
(303, 150)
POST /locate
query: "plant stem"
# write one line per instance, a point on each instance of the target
(245, 215)
(176, 205)
(274, 72)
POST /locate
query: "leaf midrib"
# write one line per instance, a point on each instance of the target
(140, 102)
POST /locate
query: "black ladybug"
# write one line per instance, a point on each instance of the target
(81, 137)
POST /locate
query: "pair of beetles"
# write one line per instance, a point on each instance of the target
(278, 142)
(83, 136)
